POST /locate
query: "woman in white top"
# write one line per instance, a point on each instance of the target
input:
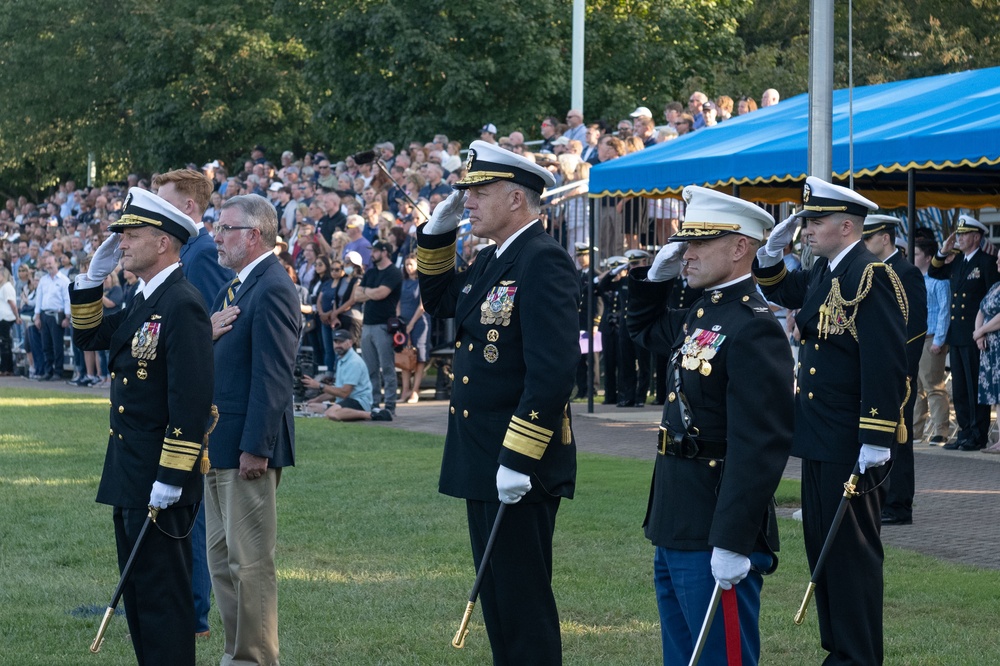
(9, 315)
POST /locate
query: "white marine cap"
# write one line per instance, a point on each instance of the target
(968, 224)
(145, 209)
(710, 214)
(489, 163)
(820, 198)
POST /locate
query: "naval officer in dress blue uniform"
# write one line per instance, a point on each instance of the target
(160, 357)
(848, 403)
(971, 276)
(516, 352)
(721, 450)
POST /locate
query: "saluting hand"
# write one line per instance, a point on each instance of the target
(447, 214)
(667, 262)
(774, 250)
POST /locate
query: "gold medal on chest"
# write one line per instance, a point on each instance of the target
(145, 340)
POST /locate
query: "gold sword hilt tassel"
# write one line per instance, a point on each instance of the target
(850, 488)
(95, 647)
(800, 616)
(458, 642)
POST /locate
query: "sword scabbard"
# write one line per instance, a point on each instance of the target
(458, 642)
(95, 647)
(800, 616)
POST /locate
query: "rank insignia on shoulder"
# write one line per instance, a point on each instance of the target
(760, 309)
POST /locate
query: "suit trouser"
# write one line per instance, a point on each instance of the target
(54, 357)
(609, 340)
(932, 396)
(902, 482)
(519, 609)
(377, 352)
(632, 386)
(973, 418)
(201, 579)
(241, 523)
(849, 590)
(157, 595)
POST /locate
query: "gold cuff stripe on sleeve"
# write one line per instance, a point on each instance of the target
(526, 446)
(89, 322)
(769, 281)
(435, 255)
(937, 263)
(183, 462)
(865, 426)
(86, 309)
(865, 419)
(533, 428)
(434, 265)
(435, 269)
(182, 444)
(530, 435)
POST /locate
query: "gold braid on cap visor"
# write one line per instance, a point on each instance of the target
(474, 177)
(706, 228)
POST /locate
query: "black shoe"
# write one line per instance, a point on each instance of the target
(951, 446)
(893, 519)
(971, 446)
(938, 440)
(381, 415)
(627, 403)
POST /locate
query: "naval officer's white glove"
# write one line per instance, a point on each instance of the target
(163, 495)
(511, 485)
(729, 568)
(773, 250)
(667, 262)
(103, 264)
(447, 215)
(873, 456)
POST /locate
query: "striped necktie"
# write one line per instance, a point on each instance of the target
(231, 292)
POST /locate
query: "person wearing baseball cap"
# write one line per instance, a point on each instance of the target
(851, 390)
(160, 358)
(717, 528)
(488, 133)
(509, 438)
(971, 274)
(351, 388)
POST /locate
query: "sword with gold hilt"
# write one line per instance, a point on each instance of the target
(850, 492)
(463, 630)
(95, 647)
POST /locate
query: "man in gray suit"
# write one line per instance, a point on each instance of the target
(255, 325)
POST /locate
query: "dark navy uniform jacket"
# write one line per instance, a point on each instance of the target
(160, 358)
(744, 402)
(970, 280)
(516, 354)
(916, 322)
(850, 385)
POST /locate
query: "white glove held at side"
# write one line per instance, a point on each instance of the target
(667, 262)
(773, 251)
(163, 495)
(729, 568)
(447, 215)
(873, 456)
(511, 485)
(105, 259)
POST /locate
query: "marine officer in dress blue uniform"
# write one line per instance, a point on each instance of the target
(160, 357)
(509, 437)
(848, 403)
(721, 451)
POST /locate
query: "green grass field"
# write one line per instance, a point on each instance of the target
(374, 564)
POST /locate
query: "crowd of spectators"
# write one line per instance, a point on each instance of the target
(332, 214)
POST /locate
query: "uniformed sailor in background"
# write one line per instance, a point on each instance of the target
(160, 357)
(881, 240)
(848, 403)
(634, 362)
(516, 354)
(611, 289)
(722, 445)
(588, 324)
(971, 274)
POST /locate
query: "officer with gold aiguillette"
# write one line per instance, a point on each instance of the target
(725, 432)
(160, 357)
(848, 404)
(516, 353)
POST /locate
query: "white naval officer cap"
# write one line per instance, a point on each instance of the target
(968, 224)
(820, 198)
(877, 223)
(145, 209)
(489, 163)
(710, 214)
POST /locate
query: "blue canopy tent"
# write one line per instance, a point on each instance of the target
(940, 132)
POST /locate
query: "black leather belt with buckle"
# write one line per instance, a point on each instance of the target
(687, 447)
